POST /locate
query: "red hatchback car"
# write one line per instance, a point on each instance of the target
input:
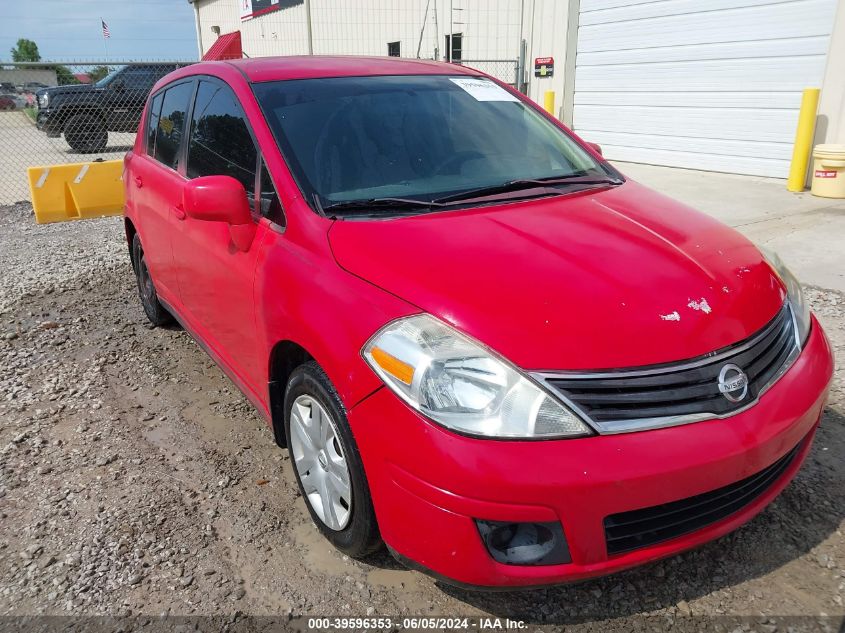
(481, 344)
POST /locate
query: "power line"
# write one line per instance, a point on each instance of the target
(119, 38)
(42, 20)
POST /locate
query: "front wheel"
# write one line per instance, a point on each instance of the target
(326, 463)
(86, 133)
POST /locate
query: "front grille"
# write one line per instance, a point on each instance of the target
(690, 388)
(627, 531)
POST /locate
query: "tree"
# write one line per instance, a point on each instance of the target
(98, 72)
(63, 75)
(26, 51)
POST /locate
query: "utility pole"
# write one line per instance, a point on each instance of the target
(422, 30)
(308, 26)
(451, 32)
(436, 33)
(520, 64)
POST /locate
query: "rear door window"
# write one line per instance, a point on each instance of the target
(171, 124)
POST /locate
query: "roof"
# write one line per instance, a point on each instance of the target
(227, 46)
(313, 66)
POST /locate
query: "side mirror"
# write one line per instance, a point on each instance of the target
(220, 199)
(596, 148)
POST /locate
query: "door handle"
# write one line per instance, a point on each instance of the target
(138, 182)
(179, 212)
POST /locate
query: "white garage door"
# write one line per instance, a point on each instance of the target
(712, 85)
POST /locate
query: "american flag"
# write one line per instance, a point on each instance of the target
(106, 33)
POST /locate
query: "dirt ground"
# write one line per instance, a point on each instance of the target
(136, 480)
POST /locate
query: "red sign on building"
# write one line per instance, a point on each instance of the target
(544, 66)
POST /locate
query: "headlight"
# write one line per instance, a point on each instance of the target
(43, 100)
(794, 294)
(458, 383)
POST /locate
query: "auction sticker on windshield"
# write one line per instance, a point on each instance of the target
(483, 89)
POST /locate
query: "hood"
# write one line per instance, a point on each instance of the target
(616, 278)
(69, 89)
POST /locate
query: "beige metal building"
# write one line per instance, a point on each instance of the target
(710, 85)
(19, 76)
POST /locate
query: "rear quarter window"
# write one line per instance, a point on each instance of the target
(152, 123)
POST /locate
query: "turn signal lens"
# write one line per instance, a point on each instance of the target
(393, 366)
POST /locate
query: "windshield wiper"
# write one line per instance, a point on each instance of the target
(546, 184)
(378, 206)
(372, 207)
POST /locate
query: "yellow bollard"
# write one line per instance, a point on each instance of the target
(549, 102)
(803, 140)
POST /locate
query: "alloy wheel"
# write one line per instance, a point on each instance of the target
(320, 463)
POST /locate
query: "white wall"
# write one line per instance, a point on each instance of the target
(490, 28)
(364, 27)
(221, 13)
(545, 33)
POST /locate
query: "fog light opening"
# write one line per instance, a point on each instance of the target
(524, 543)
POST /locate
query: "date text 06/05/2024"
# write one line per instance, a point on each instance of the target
(377, 623)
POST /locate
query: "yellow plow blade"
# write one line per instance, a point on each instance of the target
(76, 191)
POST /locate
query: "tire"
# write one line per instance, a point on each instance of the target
(86, 133)
(156, 313)
(354, 532)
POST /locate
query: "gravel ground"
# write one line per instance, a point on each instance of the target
(135, 479)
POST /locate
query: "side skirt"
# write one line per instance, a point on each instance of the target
(246, 391)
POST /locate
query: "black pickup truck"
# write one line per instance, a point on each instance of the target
(86, 113)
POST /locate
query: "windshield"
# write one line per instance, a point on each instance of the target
(413, 137)
(105, 81)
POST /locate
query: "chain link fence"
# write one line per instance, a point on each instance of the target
(505, 70)
(66, 112)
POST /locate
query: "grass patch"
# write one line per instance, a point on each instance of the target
(31, 112)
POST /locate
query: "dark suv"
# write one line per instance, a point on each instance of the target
(87, 113)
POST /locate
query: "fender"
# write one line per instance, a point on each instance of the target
(290, 267)
(63, 111)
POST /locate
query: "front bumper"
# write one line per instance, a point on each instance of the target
(48, 122)
(429, 485)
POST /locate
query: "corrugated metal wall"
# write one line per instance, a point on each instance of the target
(490, 28)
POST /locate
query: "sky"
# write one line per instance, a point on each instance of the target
(67, 30)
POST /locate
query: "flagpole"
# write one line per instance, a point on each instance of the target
(105, 43)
